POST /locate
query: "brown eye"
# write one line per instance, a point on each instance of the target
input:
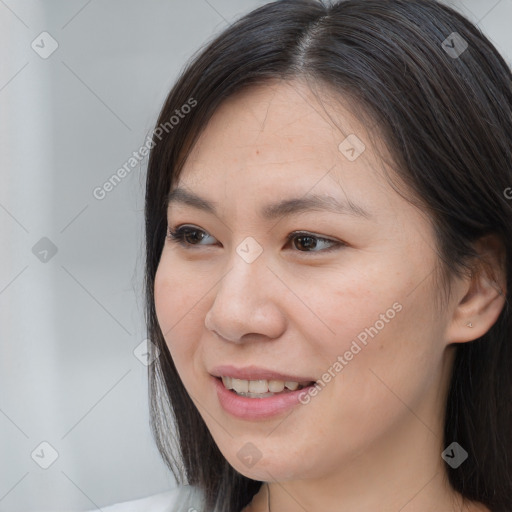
(188, 236)
(307, 242)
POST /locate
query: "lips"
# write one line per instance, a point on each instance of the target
(252, 404)
(259, 373)
(250, 408)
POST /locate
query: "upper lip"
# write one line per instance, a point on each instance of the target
(257, 373)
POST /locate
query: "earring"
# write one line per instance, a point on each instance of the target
(469, 324)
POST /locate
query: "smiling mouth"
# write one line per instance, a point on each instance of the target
(261, 388)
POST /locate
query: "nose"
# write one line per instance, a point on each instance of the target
(247, 304)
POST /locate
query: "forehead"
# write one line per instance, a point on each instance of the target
(283, 140)
(276, 119)
(284, 129)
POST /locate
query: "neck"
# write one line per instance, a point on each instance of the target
(383, 478)
(402, 470)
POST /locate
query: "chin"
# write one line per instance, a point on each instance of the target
(275, 466)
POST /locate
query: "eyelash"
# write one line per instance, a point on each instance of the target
(178, 236)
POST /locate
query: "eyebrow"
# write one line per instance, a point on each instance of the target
(285, 207)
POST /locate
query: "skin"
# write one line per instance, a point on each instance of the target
(372, 438)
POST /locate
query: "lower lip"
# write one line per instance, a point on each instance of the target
(256, 408)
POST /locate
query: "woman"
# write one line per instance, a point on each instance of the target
(328, 235)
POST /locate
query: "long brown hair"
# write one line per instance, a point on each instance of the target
(447, 120)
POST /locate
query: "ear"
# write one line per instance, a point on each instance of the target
(481, 295)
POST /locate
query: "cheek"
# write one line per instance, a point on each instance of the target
(346, 305)
(369, 302)
(372, 342)
(178, 310)
(386, 370)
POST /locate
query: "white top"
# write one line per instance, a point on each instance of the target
(184, 498)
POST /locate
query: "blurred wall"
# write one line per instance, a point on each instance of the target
(81, 84)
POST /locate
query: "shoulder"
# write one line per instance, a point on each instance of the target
(184, 498)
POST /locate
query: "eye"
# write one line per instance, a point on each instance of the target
(188, 236)
(311, 241)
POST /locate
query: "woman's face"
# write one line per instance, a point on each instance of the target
(347, 302)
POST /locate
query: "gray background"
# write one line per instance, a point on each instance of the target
(70, 321)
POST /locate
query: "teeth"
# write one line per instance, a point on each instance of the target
(240, 386)
(276, 386)
(259, 387)
(256, 395)
(228, 382)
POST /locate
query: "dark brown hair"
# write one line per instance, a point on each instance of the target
(447, 122)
